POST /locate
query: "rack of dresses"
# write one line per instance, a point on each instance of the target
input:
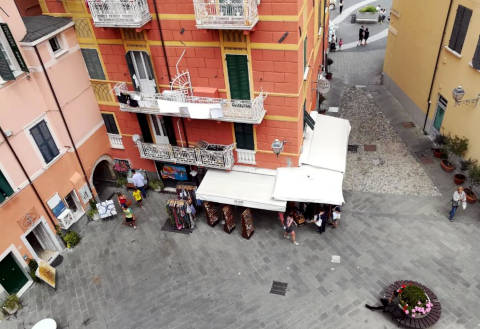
(211, 212)
(180, 215)
(187, 191)
(247, 224)
(229, 225)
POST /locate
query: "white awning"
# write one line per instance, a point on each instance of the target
(309, 184)
(326, 147)
(246, 189)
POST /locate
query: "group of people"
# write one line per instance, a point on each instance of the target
(382, 14)
(320, 215)
(139, 193)
(363, 34)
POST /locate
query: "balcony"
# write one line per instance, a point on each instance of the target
(177, 104)
(119, 13)
(226, 14)
(204, 155)
(116, 141)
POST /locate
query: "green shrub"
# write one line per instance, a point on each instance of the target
(121, 181)
(411, 295)
(32, 266)
(457, 145)
(368, 9)
(91, 212)
(12, 302)
(474, 174)
(71, 239)
(155, 184)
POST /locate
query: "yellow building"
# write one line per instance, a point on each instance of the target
(434, 47)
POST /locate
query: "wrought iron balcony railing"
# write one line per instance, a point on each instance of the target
(119, 13)
(226, 14)
(205, 155)
(172, 103)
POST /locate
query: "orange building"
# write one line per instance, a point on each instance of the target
(194, 84)
(52, 138)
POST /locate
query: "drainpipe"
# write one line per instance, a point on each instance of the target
(63, 117)
(2, 133)
(157, 15)
(324, 62)
(436, 68)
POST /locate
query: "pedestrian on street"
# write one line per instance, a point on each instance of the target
(361, 32)
(341, 6)
(137, 195)
(336, 214)
(459, 198)
(340, 44)
(389, 305)
(129, 217)
(366, 34)
(320, 219)
(139, 182)
(288, 226)
(383, 14)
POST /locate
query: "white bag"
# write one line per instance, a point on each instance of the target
(464, 205)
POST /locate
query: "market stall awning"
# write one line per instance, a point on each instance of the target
(309, 184)
(247, 189)
(326, 146)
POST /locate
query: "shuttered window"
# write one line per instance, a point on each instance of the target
(92, 61)
(110, 123)
(44, 141)
(5, 188)
(11, 59)
(476, 57)
(460, 28)
(237, 67)
(244, 136)
(305, 49)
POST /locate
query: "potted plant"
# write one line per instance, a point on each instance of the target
(32, 266)
(121, 181)
(447, 165)
(457, 145)
(414, 302)
(439, 149)
(12, 304)
(92, 212)
(474, 175)
(71, 238)
(156, 185)
(466, 164)
(368, 14)
(459, 179)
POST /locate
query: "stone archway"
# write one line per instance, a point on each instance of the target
(103, 175)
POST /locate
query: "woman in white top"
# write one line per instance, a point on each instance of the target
(458, 198)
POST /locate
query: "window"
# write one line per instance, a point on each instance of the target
(460, 27)
(476, 57)
(5, 188)
(237, 67)
(94, 66)
(11, 60)
(44, 141)
(244, 136)
(54, 44)
(110, 123)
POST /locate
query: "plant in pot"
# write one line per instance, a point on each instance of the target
(439, 149)
(447, 165)
(414, 301)
(474, 175)
(32, 267)
(121, 181)
(368, 9)
(71, 238)
(92, 212)
(156, 185)
(12, 304)
(458, 146)
(466, 164)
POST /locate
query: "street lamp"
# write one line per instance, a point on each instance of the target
(458, 93)
(277, 146)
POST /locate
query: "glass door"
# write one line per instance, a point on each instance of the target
(439, 114)
(159, 129)
(143, 72)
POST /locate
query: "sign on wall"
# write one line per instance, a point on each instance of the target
(85, 193)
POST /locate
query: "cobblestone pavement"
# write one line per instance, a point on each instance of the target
(388, 169)
(121, 278)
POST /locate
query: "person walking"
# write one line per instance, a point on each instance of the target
(139, 182)
(459, 198)
(289, 229)
(361, 32)
(137, 195)
(366, 34)
(336, 214)
(320, 220)
(129, 217)
(340, 6)
(340, 44)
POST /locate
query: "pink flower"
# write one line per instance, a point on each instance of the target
(406, 312)
(413, 315)
(419, 303)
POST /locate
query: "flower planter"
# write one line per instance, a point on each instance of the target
(471, 196)
(437, 153)
(447, 165)
(459, 179)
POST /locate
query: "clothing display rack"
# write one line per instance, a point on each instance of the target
(247, 224)
(211, 213)
(229, 225)
(179, 214)
(187, 191)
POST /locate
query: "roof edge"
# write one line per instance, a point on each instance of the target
(48, 36)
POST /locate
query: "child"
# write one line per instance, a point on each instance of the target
(340, 44)
(122, 199)
(129, 217)
(137, 194)
(336, 214)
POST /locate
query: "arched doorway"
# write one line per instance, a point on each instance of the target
(103, 177)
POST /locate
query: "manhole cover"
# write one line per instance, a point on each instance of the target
(353, 148)
(279, 288)
(408, 124)
(369, 148)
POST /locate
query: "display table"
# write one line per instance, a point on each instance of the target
(106, 209)
(45, 324)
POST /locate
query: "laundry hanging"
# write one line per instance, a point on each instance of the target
(180, 214)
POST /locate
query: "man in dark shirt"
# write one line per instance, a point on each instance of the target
(389, 305)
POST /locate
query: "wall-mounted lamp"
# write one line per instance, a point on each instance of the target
(277, 146)
(458, 93)
(136, 138)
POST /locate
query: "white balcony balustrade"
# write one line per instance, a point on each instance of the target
(173, 103)
(206, 155)
(246, 156)
(119, 13)
(116, 141)
(226, 14)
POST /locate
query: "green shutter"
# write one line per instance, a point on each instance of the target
(305, 44)
(13, 46)
(244, 136)
(5, 188)
(110, 123)
(237, 66)
(5, 71)
(92, 61)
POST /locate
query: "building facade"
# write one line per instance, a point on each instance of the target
(52, 138)
(428, 56)
(187, 84)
